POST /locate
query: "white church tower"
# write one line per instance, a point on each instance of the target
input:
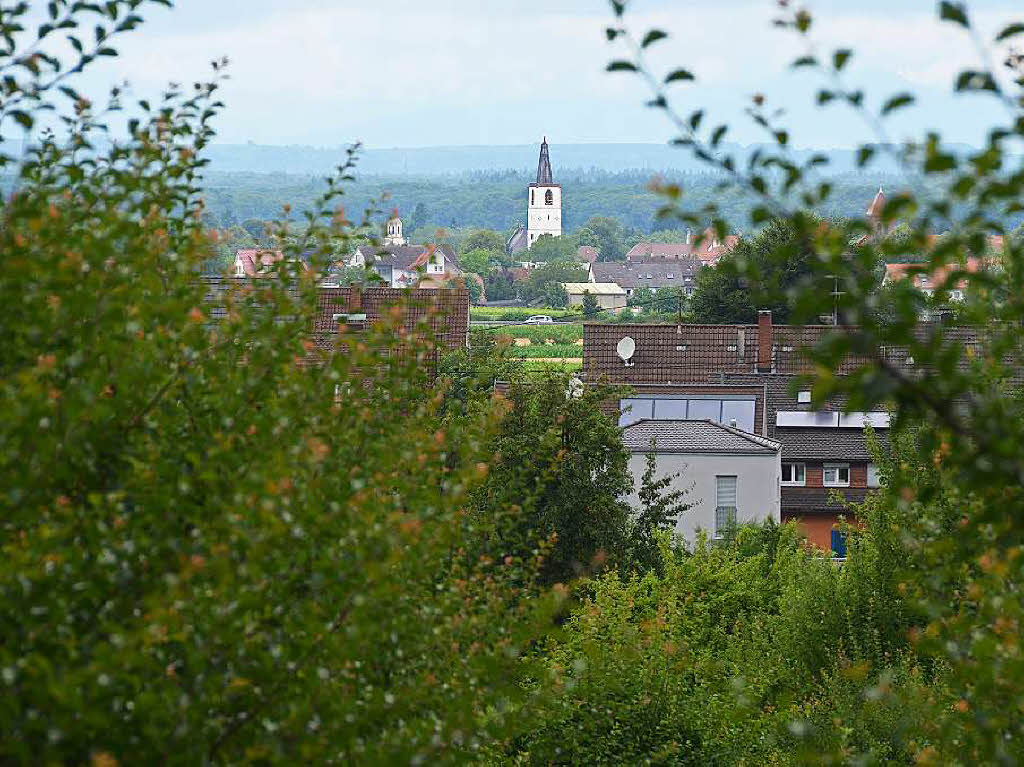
(544, 207)
(393, 232)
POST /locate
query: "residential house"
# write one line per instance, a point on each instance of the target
(428, 321)
(730, 476)
(743, 377)
(707, 249)
(929, 281)
(680, 273)
(408, 266)
(586, 254)
(607, 294)
(254, 262)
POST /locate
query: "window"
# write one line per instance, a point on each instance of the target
(549, 197)
(635, 409)
(836, 475)
(725, 504)
(531, 197)
(839, 544)
(709, 409)
(739, 411)
(724, 411)
(873, 479)
(670, 409)
(794, 474)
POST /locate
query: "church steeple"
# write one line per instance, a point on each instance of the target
(544, 177)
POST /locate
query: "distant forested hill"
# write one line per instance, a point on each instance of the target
(497, 199)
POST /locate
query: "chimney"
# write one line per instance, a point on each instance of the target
(764, 341)
(355, 298)
(689, 236)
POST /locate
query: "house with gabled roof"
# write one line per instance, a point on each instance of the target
(681, 274)
(729, 476)
(708, 248)
(256, 262)
(409, 266)
(745, 377)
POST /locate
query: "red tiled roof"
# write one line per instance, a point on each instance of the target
(587, 254)
(938, 276)
(692, 353)
(706, 247)
(257, 260)
(446, 311)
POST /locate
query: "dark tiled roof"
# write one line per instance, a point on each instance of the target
(827, 444)
(701, 353)
(652, 275)
(694, 437)
(818, 498)
(403, 256)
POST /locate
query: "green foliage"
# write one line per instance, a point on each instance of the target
(761, 272)
(590, 306)
(213, 552)
(551, 249)
(486, 240)
(923, 622)
(514, 314)
(606, 234)
(545, 282)
(660, 508)
(476, 261)
(561, 460)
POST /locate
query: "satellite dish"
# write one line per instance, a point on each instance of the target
(625, 349)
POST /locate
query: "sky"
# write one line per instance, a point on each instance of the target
(407, 73)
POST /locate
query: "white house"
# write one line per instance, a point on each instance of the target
(730, 476)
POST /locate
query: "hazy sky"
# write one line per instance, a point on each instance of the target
(453, 72)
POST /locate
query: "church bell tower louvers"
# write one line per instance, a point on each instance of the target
(544, 206)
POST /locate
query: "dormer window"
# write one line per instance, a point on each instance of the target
(549, 197)
(669, 276)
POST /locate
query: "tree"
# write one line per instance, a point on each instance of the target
(498, 285)
(768, 271)
(953, 534)
(562, 460)
(484, 239)
(475, 261)
(608, 236)
(590, 307)
(660, 508)
(554, 272)
(555, 295)
(214, 549)
(418, 218)
(550, 249)
(475, 285)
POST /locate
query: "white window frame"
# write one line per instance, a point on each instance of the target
(733, 516)
(802, 481)
(837, 467)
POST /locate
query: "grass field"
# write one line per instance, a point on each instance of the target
(538, 334)
(563, 367)
(505, 314)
